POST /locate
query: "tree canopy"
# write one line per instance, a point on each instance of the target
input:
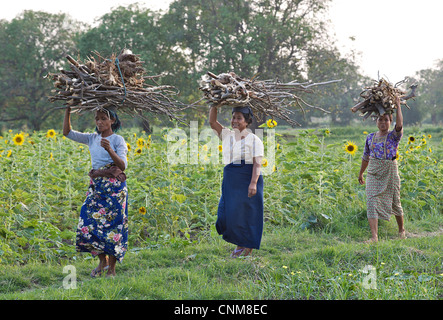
(270, 39)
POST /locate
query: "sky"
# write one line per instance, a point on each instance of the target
(392, 38)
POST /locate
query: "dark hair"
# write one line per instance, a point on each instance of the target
(391, 117)
(248, 118)
(112, 115)
(247, 113)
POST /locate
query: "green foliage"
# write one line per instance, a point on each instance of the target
(313, 186)
(290, 265)
(33, 44)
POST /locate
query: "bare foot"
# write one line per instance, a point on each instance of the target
(372, 240)
(402, 234)
(247, 252)
(110, 273)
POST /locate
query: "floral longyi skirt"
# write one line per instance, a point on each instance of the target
(103, 222)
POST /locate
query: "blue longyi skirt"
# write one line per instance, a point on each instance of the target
(239, 218)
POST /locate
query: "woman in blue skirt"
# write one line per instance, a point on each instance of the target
(103, 224)
(240, 210)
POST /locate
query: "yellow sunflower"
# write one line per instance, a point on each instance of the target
(129, 146)
(140, 142)
(271, 123)
(350, 147)
(411, 139)
(264, 162)
(18, 139)
(220, 148)
(138, 150)
(142, 210)
(50, 134)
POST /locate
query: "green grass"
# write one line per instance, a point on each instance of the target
(290, 265)
(315, 223)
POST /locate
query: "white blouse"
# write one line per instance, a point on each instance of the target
(244, 149)
(99, 156)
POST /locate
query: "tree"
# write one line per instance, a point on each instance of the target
(269, 37)
(33, 44)
(325, 63)
(430, 95)
(139, 30)
(265, 37)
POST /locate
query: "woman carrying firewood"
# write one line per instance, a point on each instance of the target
(383, 181)
(240, 210)
(103, 224)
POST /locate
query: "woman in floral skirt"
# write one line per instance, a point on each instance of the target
(103, 224)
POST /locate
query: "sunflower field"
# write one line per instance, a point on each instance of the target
(311, 185)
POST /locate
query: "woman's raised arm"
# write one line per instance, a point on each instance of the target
(215, 125)
(67, 122)
(399, 116)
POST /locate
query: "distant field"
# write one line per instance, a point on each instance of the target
(315, 221)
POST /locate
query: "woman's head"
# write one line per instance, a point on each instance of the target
(384, 121)
(106, 119)
(241, 118)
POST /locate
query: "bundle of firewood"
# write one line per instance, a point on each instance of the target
(269, 97)
(381, 98)
(118, 81)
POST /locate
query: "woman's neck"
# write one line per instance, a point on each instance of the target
(106, 133)
(241, 134)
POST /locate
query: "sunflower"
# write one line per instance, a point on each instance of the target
(220, 148)
(350, 147)
(142, 210)
(271, 123)
(411, 139)
(264, 162)
(50, 134)
(138, 150)
(140, 142)
(18, 139)
(129, 146)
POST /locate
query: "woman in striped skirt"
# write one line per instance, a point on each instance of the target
(383, 181)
